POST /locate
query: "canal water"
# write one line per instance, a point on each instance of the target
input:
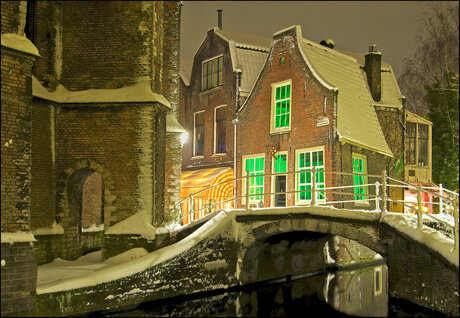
(360, 291)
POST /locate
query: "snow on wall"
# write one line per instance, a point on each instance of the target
(407, 224)
(19, 43)
(141, 92)
(53, 229)
(13, 237)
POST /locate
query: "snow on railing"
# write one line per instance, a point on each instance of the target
(448, 200)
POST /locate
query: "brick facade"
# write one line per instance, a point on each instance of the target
(51, 148)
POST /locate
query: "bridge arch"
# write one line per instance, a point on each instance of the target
(253, 242)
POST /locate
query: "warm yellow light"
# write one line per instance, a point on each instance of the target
(425, 209)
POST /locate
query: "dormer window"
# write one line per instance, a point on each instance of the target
(212, 73)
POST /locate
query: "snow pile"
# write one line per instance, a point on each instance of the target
(60, 269)
(93, 228)
(52, 229)
(19, 43)
(407, 224)
(168, 228)
(135, 224)
(99, 273)
(13, 237)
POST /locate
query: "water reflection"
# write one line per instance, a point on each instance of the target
(359, 292)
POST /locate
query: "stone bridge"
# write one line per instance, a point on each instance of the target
(234, 248)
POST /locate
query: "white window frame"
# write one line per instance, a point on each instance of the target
(206, 61)
(272, 200)
(243, 174)
(214, 150)
(273, 106)
(194, 135)
(296, 162)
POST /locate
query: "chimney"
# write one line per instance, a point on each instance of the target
(219, 18)
(372, 66)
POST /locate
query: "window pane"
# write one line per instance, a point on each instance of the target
(422, 144)
(410, 143)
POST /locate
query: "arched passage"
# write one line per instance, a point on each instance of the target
(86, 201)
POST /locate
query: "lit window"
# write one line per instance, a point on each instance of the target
(212, 73)
(422, 145)
(255, 167)
(410, 143)
(360, 166)
(198, 135)
(220, 145)
(281, 106)
(306, 160)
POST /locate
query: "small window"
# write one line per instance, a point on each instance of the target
(410, 143)
(220, 119)
(281, 106)
(212, 73)
(360, 166)
(324, 105)
(422, 145)
(198, 136)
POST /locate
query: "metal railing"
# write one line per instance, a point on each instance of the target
(375, 195)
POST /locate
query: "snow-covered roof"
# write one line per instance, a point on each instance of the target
(19, 43)
(357, 121)
(391, 95)
(186, 70)
(140, 92)
(243, 40)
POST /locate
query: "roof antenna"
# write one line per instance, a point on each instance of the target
(219, 18)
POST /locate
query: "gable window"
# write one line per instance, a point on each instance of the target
(306, 160)
(254, 166)
(281, 106)
(410, 142)
(198, 134)
(220, 119)
(360, 166)
(212, 73)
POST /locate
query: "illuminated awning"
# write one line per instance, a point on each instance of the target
(196, 180)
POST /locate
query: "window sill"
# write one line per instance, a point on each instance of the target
(280, 132)
(362, 203)
(197, 157)
(214, 89)
(223, 154)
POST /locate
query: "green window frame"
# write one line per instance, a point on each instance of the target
(306, 160)
(254, 166)
(282, 105)
(360, 166)
(280, 163)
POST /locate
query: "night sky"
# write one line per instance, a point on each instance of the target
(353, 25)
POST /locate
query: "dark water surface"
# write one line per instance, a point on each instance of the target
(356, 292)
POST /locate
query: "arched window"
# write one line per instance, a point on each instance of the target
(92, 203)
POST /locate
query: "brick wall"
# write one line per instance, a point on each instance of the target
(253, 133)
(16, 139)
(43, 182)
(173, 154)
(13, 17)
(19, 279)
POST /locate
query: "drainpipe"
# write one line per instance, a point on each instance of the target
(235, 122)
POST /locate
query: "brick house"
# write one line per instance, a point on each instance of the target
(224, 70)
(91, 150)
(315, 106)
